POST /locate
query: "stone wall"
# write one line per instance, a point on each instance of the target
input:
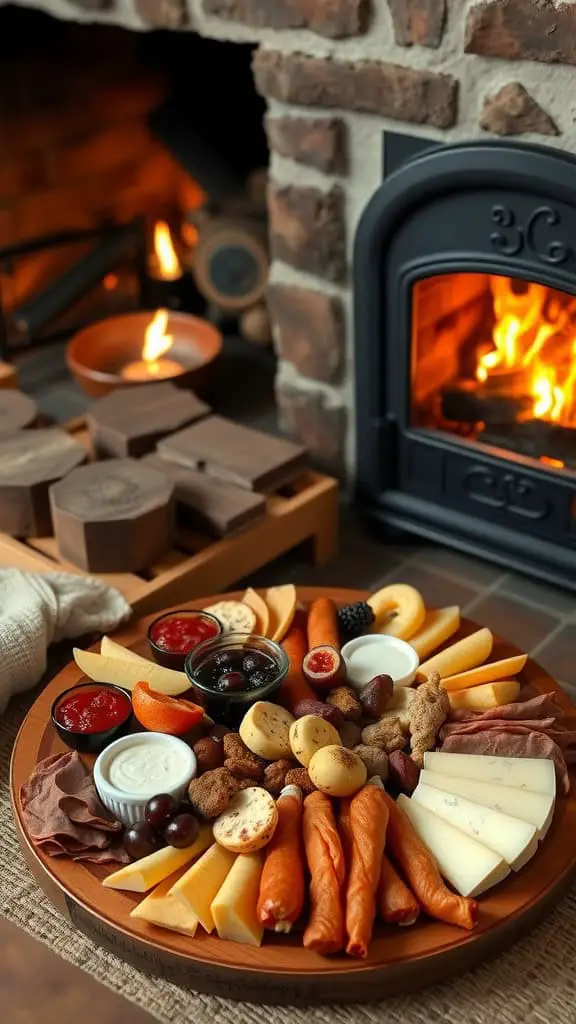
(335, 74)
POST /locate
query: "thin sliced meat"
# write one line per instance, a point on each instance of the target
(543, 706)
(511, 742)
(63, 814)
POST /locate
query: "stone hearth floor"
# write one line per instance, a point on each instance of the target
(538, 618)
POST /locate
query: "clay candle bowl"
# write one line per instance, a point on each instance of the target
(97, 355)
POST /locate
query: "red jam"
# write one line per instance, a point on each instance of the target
(93, 709)
(180, 634)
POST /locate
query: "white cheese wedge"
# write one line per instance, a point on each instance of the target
(469, 866)
(515, 840)
(144, 874)
(199, 885)
(535, 808)
(166, 911)
(536, 774)
(234, 906)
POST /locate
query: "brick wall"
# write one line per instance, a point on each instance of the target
(335, 73)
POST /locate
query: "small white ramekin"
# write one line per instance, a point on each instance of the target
(129, 807)
(403, 652)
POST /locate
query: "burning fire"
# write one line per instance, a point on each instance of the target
(156, 342)
(165, 263)
(533, 350)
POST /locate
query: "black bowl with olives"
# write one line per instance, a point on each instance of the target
(234, 670)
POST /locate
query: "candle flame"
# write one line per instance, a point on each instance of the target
(168, 264)
(156, 341)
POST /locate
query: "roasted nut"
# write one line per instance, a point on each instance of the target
(403, 772)
(344, 698)
(320, 710)
(350, 734)
(244, 768)
(211, 793)
(299, 777)
(376, 696)
(386, 734)
(235, 748)
(275, 775)
(375, 759)
(209, 754)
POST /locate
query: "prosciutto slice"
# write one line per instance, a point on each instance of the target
(63, 814)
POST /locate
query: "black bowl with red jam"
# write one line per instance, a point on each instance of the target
(89, 716)
(233, 671)
(172, 636)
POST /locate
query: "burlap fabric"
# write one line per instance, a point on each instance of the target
(534, 983)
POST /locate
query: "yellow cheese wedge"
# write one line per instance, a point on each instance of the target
(234, 906)
(110, 649)
(144, 874)
(459, 657)
(281, 603)
(128, 673)
(438, 626)
(199, 885)
(166, 911)
(486, 673)
(260, 609)
(488, 695)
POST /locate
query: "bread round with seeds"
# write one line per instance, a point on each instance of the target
(248, 823)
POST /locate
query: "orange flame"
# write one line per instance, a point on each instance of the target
(533, 341)
(166, 263)
(156, 341)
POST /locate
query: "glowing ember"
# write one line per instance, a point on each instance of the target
(534, 339)
(156, 343)
(164, 263)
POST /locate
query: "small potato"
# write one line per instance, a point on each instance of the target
(337, 771)
(309, 734)
(265, 730)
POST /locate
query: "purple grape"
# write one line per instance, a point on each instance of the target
(140, 840)
(224, 658)
(254, 662)
(159, 810)
(231, 681)
(182, 831)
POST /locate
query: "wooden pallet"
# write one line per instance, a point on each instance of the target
(306, 510)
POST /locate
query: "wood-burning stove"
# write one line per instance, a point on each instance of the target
(465, 348)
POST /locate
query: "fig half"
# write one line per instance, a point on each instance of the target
(323, 667)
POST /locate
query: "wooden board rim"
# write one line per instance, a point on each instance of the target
(323, 981)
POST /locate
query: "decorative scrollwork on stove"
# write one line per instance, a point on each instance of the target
(506, 491)
(510, 241)
(512, 238)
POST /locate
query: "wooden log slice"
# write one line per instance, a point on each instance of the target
(281, 971)
(230, 263)
(114, 516)
(204, 503)
(131, 421)
(17, 411)
(30, 461)
(242, 456)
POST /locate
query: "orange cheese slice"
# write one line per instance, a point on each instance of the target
(260, 609)
(281, 603)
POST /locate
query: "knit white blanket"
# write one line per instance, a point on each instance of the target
(39, 609)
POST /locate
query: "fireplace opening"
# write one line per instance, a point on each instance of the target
(494, 361)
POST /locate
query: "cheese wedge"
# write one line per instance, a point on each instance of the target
(487, 695)
(459, 657)
(515, 840)
(260, 609)
(439, 625)
(535, 808)
(144, 874)
(281, 603)
(199, 885)
(234, 906)
(128, 673)
(469, 866)
(503, 669)
(110, 649)
(166, 911)
(536, 774)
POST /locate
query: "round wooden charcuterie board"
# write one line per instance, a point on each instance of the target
(281, 970)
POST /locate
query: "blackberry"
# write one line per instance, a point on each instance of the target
(355, 619)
